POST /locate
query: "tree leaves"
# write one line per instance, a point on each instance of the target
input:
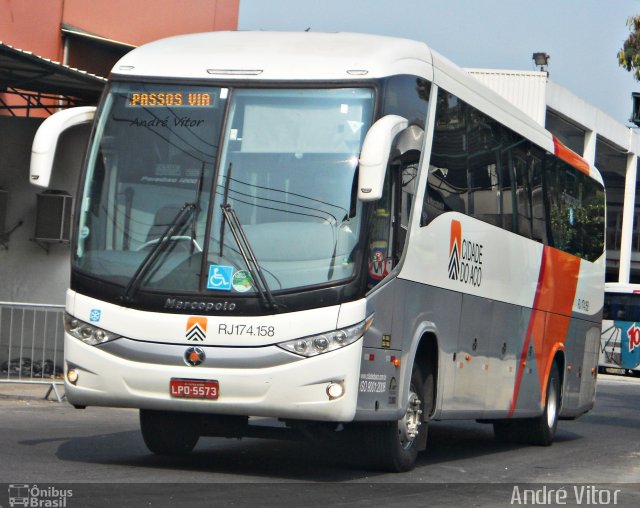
(629, 55)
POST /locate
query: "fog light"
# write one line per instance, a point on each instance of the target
(72, 376)
(335, 390)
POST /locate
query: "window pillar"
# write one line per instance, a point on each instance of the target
(589, 152)
(628, 212)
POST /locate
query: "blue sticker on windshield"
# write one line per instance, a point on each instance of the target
(220, 277)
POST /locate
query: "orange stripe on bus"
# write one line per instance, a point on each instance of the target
(550, 316)
(569, 156)
(455, 236)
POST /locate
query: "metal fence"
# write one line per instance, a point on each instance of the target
(31, 344)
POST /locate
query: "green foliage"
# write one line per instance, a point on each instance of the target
(629, 55)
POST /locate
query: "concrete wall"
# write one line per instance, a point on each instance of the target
(28, 273)
(139, 21)
(34, 25)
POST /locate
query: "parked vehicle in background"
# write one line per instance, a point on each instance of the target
(620, 341)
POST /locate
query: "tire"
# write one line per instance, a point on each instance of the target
(394, 446)
(538, 431)
(169, 433)
(542, 430)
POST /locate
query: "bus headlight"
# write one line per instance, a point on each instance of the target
(328, 341)
(87, 333)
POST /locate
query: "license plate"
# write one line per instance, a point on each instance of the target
(194, 388)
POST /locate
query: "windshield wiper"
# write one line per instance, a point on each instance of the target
(249, 257)
(188, 212)
(176, 224)
(194, 221)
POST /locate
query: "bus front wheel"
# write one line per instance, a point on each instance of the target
(169, 433)
(394, 446)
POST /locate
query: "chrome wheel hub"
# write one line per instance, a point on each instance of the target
(409, 426)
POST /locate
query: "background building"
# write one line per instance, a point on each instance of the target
(90, 35)
(56, 53)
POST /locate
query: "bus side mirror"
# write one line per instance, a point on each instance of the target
(375, 154)
(43, 149)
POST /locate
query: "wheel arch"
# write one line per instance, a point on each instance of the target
(556, 357)
(427, 358)
(425, 352)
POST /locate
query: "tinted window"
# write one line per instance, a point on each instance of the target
(576, 210)
(408, 97)
(480, 168)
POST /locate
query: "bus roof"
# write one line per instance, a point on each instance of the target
(316, 56)
(277, 56)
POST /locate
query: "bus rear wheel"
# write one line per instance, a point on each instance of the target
(535, 431)
(168, 432)
(542, 430)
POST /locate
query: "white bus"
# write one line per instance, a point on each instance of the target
(344, 232)
(620, 341)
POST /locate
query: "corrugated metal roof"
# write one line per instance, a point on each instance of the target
(74, 31)
(25, 71)
(524, 89)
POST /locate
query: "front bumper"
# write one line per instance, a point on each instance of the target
(295, 388)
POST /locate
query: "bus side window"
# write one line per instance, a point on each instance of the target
(379, 253)
(391, 216)
(404, 196)
(484, 199)
(539, 228)
(523, 196)
(408, 181)
(447, 186)
(633, 308)
(606, 309)
(483, 140)
(506, 197)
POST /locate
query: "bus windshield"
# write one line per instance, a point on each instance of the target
(166, 158)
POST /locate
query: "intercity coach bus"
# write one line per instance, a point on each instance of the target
(620, 341)
(342, 232)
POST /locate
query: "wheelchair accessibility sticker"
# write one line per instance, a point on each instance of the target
(220, 277)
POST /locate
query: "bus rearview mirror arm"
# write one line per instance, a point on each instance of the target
(375, 154)
(45, 142)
